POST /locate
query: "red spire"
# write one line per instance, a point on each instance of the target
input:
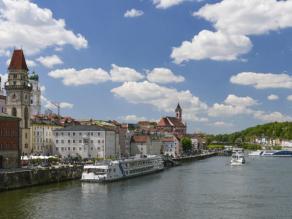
(18, 61)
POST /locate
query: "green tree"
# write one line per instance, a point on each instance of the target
(186, 144)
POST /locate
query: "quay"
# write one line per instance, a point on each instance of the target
(195, 157)
(20, 178)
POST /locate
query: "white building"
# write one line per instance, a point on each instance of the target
(35, 99)
(171, 146)
(42, 136)
(87, 141)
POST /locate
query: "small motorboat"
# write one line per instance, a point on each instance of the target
(237, 159)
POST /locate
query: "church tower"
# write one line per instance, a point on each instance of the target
(178, 112)
(18, 91)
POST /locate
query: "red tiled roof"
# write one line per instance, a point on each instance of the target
(140, 138)
(170, 121)
(163, 122)
(176, 122)
(18, 61)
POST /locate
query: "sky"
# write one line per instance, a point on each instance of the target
(228, 63)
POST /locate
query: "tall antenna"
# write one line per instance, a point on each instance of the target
(56, 104)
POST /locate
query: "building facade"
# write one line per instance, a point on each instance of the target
(2, 99)
(9, 141)
(42, 136)
(18, 90)
(171, 146)
(86, 141)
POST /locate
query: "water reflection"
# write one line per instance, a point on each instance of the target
(205, 189)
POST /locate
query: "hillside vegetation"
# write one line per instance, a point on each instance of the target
(282, 130)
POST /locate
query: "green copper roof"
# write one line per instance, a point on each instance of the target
(34, 76)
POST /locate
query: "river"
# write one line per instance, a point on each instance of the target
(204, 189)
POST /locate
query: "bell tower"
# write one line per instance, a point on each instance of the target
(18, 90)
(178, 112)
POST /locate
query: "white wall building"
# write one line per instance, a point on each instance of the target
(87, 141)
(171, 146)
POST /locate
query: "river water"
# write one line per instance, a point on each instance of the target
(205, 189)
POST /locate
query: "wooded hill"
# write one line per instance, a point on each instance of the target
(282, 130)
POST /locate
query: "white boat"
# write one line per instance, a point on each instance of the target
(121, 169)
(256, 153)
(237, 159)
(279, 153)
(268, 153)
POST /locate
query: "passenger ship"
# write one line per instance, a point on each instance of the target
(121, 169)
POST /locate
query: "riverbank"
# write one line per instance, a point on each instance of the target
(20, 178)
(195, 157)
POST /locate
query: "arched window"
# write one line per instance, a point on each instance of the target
(26, 117)
(14, 111)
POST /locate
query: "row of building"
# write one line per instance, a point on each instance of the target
(25, 131)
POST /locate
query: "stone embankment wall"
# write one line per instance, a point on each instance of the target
(31, 177)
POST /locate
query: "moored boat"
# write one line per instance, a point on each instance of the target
(281, 153)
(256, 153)
(237, 159)
(122, 169)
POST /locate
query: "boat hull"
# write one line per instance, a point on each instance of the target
(102, 180)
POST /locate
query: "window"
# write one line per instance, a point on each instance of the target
(98, 141)
(73, 133)
(91, 148)
(68, 148)
(69, 141)
(62, 141)
(91, 141)
(98, 134)
(69, 134)
(14, 111)
(57, 141)
(73, 141)
(80, 141)
(26, 117)
(91, 133)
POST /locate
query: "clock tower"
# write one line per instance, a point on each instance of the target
(18, 91)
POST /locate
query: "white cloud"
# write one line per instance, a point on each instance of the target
(271, 117)
(162, 98)
(164, 76)
(240, 101)
(227, 110)
(48, 104)
(273, 97)
(233, 21)
(122, 74)
(164, 4)
(50, 61)
(222, 124)
(289, 98)
(30, 63)
(133, 118)
(75, 77)
(24, 24)
(262, 80)
(133, 13)
(212, 45)
(248, 17)
(234, 105)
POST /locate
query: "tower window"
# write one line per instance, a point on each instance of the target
(26, 117)
(14, 111)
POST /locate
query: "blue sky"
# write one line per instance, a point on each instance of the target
(227, 62)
